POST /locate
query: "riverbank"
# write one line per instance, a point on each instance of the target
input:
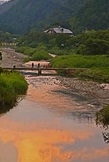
(12, 84)
(97, 93)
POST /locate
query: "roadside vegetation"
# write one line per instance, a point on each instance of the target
(12, 86)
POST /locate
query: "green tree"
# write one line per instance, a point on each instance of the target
(94, 47)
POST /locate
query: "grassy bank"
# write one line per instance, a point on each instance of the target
(12, 84)
(96, 67)
(102, 117)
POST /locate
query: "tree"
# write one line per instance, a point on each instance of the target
(94, 47)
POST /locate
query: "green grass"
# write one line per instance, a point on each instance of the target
(12, 84)
(96, 74)
(97, 67)
(80, 61)
(40, 55)
(34, 54)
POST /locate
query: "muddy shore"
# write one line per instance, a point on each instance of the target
(93, 91)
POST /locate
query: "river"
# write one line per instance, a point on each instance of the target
(49, 125)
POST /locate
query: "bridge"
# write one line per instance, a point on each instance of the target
(30, 68)
(39, 70)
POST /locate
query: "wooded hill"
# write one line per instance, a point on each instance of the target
(20, 16)
(94, 15)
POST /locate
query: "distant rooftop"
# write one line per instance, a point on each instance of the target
(58, 30)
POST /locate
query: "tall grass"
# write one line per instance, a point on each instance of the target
(97, 67)
(80, 61)
(11, 86)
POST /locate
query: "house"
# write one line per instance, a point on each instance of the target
(58, 30)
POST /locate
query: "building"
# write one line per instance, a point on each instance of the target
(58, 30)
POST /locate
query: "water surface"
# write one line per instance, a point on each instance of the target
(49, 125)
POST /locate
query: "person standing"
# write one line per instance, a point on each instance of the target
(39, 69)
(32, 65)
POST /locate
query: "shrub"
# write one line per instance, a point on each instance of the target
(40, 55)
(11, 86)
(20, 49)
(94, 47)
(29, 51)
(102, 117)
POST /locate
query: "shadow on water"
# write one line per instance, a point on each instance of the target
(72, 94)
(79, 97)
(5, 108)
(86, 109)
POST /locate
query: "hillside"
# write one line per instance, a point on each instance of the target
(25, 14)
(5, 6)
(20, 16)
(94, 15)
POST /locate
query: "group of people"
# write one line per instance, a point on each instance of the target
(39, 67)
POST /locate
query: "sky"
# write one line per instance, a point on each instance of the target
(4, 0)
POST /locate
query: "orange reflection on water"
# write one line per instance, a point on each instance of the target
(62, 141)
(48, 145)
(45, 94)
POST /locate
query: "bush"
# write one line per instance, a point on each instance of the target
(102, 117)
(11, 86)
(29, 51)
(20, 49)
(94, 47)
(40, 55)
